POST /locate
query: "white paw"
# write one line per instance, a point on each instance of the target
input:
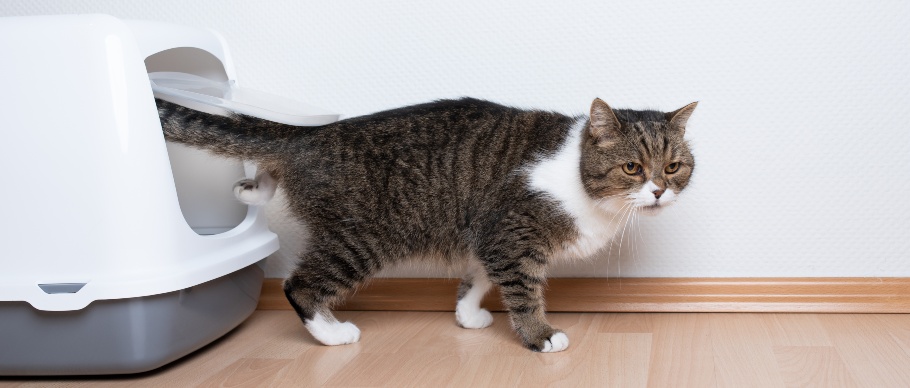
(252, 192)
(332, 332)
(473, 318)
(246, 191)
(557, 343)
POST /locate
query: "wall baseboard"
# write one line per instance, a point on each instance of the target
(809, 295)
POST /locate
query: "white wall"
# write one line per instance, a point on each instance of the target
(801, 134)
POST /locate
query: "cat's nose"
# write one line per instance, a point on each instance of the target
(658, 193)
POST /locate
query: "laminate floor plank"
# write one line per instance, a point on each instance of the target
(812, 366)
(870, 352)
(795, 330)
(743, 355)
(682, 354)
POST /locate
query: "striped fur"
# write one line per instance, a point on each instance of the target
(448, 182)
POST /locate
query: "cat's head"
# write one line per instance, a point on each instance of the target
(634, 159)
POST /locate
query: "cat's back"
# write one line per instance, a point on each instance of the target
(446, 109)
(468, 126)
(450, 115)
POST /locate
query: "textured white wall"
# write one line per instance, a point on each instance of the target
(801, 134)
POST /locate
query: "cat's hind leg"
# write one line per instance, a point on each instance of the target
(473, 287)
(310, 300)
(257, 191)
(322, 278)
(329, 331)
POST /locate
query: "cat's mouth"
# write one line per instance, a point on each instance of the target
(650, 210)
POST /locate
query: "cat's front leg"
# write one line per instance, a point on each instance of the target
(527, 315)
(521, 280)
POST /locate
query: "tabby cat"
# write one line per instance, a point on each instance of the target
(499, 191)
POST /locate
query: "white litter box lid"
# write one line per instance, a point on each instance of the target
(191, 90)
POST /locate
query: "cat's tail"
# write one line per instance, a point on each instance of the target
(236, 136)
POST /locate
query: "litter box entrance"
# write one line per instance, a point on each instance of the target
(205, 189)
(204, 182)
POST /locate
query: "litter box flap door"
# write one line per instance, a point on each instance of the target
(93, 200)
(154, 37)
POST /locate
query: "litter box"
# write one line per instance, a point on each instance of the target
(121, 253)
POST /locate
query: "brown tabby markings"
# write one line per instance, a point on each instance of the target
(442, 180)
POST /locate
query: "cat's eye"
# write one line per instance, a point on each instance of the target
(672, 168)
(631, 168)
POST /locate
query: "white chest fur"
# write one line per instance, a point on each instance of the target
(559, 176)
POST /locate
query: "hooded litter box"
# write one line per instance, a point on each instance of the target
(120, 253)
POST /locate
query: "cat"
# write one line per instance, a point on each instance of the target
(505, 190)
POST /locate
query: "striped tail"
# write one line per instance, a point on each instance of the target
(235, 136)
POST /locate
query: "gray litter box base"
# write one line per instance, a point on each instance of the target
(125, 335)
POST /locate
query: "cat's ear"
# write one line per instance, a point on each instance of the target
(680, 117)
(604, 125)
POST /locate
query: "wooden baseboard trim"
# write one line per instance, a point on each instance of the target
(810, 295)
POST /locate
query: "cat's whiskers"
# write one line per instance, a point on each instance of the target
(633, 241)
(630, 225)
(603, 202)
(638, 222)
(612, 238)
(633, 251)
(633, 218)
(625, 223)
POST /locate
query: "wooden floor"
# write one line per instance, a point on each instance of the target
(401, 349)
